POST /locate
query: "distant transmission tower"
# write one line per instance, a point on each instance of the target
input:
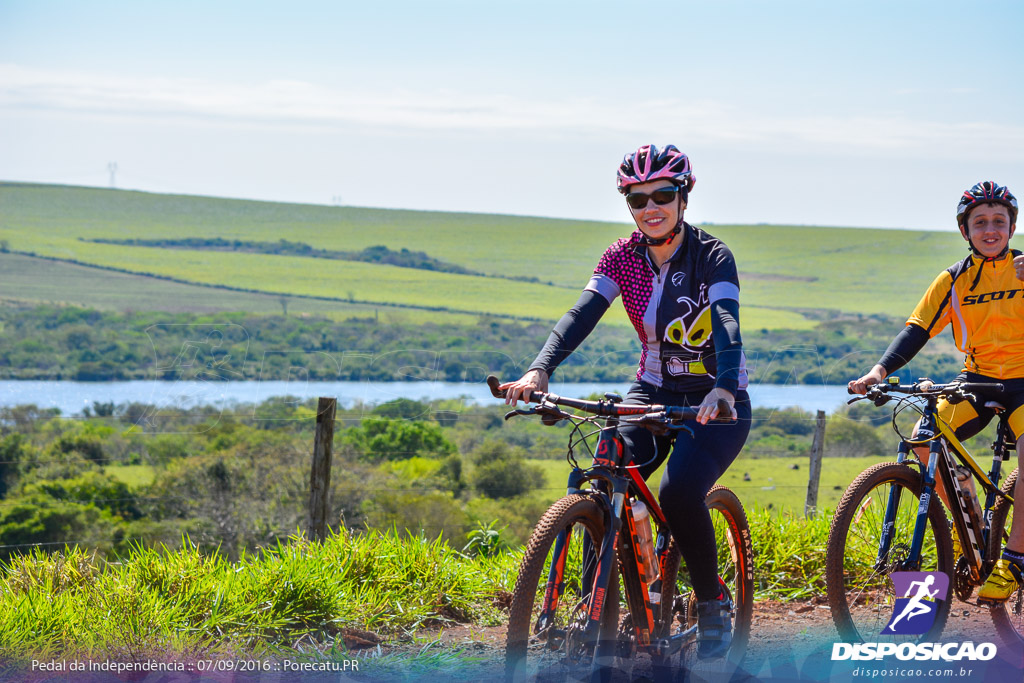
(112, 167)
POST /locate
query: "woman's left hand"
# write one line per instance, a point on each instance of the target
(709, 406)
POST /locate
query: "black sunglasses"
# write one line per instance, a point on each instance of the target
(638, 200)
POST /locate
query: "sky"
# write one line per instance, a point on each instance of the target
(869, 114)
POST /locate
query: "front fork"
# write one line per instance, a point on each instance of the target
(889, 522)
(595, 575)
(912, 562)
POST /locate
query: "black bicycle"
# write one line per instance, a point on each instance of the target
(567, 619)
(890, 520)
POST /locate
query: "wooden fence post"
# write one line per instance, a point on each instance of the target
(817, 447)
(320, 477)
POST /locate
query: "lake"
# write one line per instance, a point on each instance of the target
(72, 397)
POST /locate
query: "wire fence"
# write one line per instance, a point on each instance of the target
(145, 500)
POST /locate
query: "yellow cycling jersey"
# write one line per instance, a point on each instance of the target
(984, 302)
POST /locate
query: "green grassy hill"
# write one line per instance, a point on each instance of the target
(773, 484)
(785, 270)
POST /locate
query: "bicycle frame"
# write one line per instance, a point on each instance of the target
(615, 483)
(618, 485)
(941, 440)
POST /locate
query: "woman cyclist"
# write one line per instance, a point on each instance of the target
(981, 297)
(680, 289)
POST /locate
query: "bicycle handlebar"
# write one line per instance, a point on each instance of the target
(610, 409)
(953, 390)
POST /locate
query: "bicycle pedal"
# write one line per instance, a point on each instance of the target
(988, 604)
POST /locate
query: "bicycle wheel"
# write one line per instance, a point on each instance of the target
(1009, 616)
(860, 591)
(735, 567)
(553, 650)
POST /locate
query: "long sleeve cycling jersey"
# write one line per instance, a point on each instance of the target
(685, 312)
(984, 302)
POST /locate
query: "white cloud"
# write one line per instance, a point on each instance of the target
(309, 105)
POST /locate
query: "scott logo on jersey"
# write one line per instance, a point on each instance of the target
(972, 299)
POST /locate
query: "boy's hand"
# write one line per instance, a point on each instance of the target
(860, 386)
(1018, 265)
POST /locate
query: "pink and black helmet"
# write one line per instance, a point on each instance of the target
(650, 163)
(987, 192)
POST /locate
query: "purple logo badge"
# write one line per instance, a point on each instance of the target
(917, 596)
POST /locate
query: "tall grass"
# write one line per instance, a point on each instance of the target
(184, 605)
(789, 554)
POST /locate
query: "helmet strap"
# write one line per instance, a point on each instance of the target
(652, 242)
(965, 232)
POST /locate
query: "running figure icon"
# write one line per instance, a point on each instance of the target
(916, 606)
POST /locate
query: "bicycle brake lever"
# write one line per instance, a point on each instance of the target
(681, 428)
(550, 415)
(960, 397)
(520, 411)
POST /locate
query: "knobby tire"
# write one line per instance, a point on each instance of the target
(735, 566)
(860, 595)
(1009, 616)
(528, 656)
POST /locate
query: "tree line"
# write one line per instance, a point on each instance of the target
(237, 479)
(55, 342)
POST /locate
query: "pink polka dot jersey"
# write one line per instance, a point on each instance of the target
(670, 306)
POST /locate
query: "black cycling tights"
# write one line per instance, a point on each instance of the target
(696, 464)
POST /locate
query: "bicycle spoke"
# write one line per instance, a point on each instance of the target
(1008, 617)
(551, 599)
(861, 593)
(735, 559)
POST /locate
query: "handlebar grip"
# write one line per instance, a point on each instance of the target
(724, 411)
(680, 413)
(493, 382)
(980, 386)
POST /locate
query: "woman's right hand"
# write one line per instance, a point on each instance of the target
(860, 386)
(534, 380)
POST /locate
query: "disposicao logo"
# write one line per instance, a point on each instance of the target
(914, 613)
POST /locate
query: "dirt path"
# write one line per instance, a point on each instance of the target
(790, 641)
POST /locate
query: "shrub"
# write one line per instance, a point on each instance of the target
(431, 514)
(101, 490)
(379, 439)
(38, 519)
(502, 472)
(403, 409)
(847, 438)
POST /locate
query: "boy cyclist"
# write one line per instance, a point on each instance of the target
(982, 298)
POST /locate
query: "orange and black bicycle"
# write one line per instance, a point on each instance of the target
(567, 619)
